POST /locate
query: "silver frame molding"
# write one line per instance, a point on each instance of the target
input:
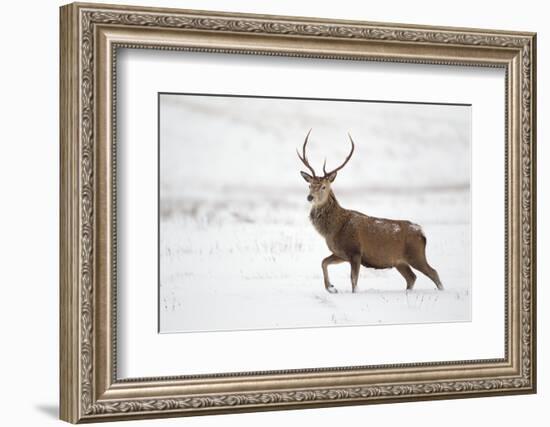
(90, 37)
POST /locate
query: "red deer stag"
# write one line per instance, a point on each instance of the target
(361, 239)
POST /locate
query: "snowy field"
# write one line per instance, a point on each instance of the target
(237, 250)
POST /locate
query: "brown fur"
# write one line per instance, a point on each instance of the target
(360, 239)
(373, 242)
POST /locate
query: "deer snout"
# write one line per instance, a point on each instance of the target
(309, 198)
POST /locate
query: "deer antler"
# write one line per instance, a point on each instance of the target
(303, 157)
(345, 161)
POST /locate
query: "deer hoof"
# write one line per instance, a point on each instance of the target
(332, 290)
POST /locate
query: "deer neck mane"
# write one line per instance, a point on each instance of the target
(328, 217)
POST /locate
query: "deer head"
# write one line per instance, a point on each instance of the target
(319, 186)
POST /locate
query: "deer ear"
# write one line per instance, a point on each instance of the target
(306, 176)
(332, 176)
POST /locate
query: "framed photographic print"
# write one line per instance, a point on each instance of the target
(266, 212)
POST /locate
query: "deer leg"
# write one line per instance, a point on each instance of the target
(408, 274)
(355, 266)
(419, 262)
(430, 272)
(332, 259)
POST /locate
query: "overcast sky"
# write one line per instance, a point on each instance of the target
(210, 143)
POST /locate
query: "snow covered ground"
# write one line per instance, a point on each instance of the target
(237, 250)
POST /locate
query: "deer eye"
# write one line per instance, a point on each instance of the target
(323, 187)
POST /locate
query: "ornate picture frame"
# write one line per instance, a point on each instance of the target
(90, 37)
